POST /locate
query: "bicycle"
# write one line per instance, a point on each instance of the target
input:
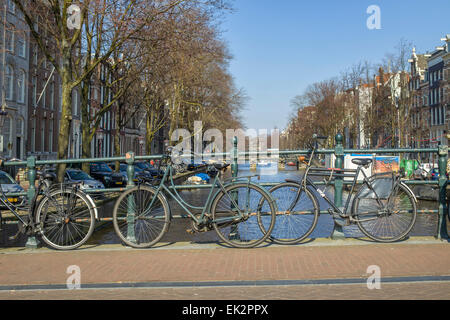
(62, 215)
(384, 208)
(241, 212)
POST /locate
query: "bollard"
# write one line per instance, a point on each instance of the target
(131, 204)
(32, 242)
(338, 233)
(442, 224)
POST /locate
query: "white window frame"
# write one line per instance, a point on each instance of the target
(21, 85)
(9, 82)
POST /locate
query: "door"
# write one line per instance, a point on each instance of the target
(19, 148)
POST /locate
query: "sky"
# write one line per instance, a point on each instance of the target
(280, 47)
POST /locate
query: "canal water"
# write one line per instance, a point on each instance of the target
(426, 224)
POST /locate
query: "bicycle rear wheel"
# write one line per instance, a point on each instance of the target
(295, 225)
(66, 218)
(243, 216)
(138, 222)
(391, 221)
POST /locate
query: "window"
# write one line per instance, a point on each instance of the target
(21, 86)
(10, 39)
(50, 136)
(35, 54)
(19, 127)
(11, 6)
(34, 91)
(52, 95)
(43, 136)
(43, 100)
(9, 82)
(21, 45)
(60, 97)
(75, 102)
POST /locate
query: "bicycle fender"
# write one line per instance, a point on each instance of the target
(92, 203)
(409, 189)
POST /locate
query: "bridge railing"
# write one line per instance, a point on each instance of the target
(234, 157)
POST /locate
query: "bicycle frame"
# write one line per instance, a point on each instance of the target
(306, 181)
(168, 174)
(31, 208)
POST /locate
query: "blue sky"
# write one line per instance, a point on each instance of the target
(280, 47)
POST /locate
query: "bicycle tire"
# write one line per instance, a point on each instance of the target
(381, 228)
(245, 233)
(144, 235)
(59, 209)
(295, 226)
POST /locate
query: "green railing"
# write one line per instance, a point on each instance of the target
(234, 156)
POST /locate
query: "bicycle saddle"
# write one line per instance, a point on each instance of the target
(45, 175)
(361, 161)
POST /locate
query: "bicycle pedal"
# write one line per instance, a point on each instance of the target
(190, 231)
(14, 237)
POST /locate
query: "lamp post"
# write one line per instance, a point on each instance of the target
(3, 116)
(99, 133)
(141, 145)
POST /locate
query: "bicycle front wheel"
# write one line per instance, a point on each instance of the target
(243, 216)
(293, 225)
(140, 217)
(388, 219)
(66, 218)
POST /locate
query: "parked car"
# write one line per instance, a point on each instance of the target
(88, 182)
(9, 185)
(102, 172)
(139, 174)
(149, 168)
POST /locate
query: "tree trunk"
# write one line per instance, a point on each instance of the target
(66, 115)
(86, 137)
(117, 138)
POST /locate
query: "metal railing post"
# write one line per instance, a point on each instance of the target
(32, 242)
(131, 201)
(338, 233)
(234, 164)
(442, 164)
(234, 173)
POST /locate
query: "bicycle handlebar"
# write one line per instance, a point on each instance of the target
(317, 137)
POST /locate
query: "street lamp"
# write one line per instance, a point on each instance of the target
(3, 115)
(141, 144)
(99, 133)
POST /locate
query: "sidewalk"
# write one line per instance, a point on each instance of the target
(182, 262)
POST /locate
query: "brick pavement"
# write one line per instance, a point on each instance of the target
(388, 291)
(118, 264)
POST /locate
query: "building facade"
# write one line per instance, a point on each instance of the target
(14, 78)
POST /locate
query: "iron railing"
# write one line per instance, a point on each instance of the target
(234, 157)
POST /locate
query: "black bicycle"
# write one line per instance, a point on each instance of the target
(241, 212)
(384, 208)
(61, 214)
